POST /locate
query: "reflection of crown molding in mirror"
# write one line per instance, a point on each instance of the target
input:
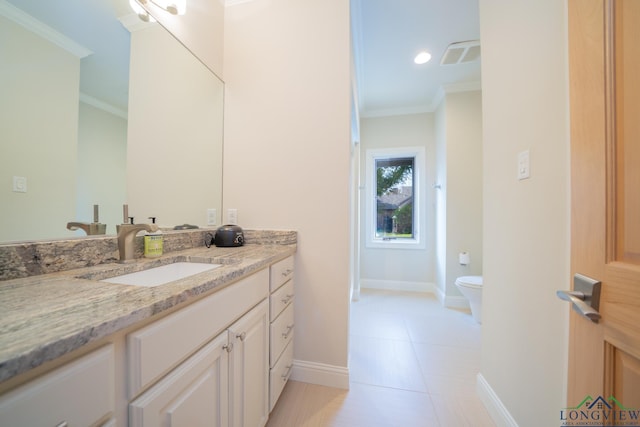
(95, 102)
(16, 15)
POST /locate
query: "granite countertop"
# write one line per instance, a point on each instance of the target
(44, 317)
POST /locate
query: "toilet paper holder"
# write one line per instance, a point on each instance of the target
(464, 258)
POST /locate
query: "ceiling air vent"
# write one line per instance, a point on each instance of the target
(461, 52)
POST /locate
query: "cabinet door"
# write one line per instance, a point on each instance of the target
(250, 368)
(80, 393)
(194, 394)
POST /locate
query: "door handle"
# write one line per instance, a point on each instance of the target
(585, 297)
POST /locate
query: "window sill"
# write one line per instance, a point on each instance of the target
(395, 244)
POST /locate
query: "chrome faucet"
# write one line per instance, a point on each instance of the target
(126, 238)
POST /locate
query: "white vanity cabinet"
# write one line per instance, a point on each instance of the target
(197, 368)
(80, 393)
(281, 328)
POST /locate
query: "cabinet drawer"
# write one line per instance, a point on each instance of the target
(80, 393)
(281, 298)
(155, 349)
(279, 375)
(281, 333)
(281, 272)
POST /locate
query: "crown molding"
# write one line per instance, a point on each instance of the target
(101, 105)
(400, 111)
(445, 89)
(30, 23)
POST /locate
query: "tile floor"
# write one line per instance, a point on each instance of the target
(412, 363)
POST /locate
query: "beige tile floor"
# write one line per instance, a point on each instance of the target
(413, 363)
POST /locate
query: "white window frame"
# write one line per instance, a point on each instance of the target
(370, 211)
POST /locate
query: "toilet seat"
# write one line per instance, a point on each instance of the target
(470, 281)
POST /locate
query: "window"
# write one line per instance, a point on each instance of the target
(393, 202)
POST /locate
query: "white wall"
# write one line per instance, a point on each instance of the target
(38, 134)
(174, 160)
(463, 185)
(440, 273)
(526, 223)
(102, 171)
(458, 201)
(201, 28)
(287, 157)
(387, 268)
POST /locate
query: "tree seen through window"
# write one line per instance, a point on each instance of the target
(394, 198)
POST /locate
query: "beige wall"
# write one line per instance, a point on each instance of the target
(38, 134)
(440, 273)
(387, 268)
(174, 160)
(526, 223)
(201, 28)
(287, 157)
(462, 187)
(102, 171)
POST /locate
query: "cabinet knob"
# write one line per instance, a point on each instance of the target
(241, 336)
(228, 347)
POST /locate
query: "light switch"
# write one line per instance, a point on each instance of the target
(211, 217)
(232, 216)
(19, 184)
(524, 167)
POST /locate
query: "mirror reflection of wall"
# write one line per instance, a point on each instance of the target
(174, 167)
(68, 137)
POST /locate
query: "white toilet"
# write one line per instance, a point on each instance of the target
(471, 288)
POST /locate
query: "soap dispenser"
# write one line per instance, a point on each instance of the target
(153, 242)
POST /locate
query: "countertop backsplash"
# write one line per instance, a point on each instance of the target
(25, 259)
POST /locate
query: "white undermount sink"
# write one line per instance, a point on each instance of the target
(164, 274)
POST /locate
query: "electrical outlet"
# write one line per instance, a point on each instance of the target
(232, 216)
(212, 217)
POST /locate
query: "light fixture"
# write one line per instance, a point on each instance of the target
(139, 10)
(174, 7)
(422, 57)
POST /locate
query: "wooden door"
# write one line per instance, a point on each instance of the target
(604, 64)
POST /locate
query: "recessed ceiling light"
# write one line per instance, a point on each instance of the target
(422, 58)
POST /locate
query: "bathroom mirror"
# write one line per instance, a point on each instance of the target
(148, 134)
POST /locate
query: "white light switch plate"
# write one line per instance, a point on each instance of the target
(212, 217)
(524, 166)
(232, 216)
(19, 184)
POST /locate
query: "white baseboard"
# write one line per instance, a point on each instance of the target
(394, 285)
(450, 301)
(321, 374)
(492, 402)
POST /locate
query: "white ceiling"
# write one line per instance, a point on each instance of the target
(387, 34)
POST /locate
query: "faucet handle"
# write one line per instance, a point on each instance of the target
(131, 220)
